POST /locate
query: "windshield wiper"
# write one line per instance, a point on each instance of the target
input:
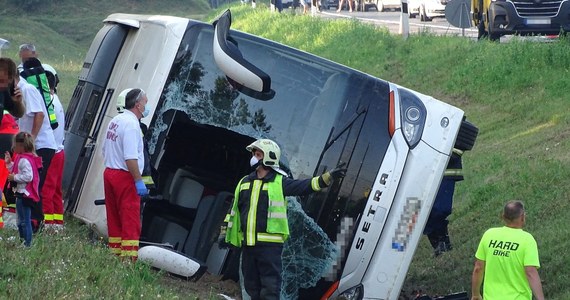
(359, 111)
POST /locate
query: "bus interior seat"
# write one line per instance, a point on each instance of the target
(169, 232)
(205, 228)
(216, 257)
(185, 191)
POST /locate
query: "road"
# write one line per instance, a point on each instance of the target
(391, 20)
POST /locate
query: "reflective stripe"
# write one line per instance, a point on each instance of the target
(127, 243)
(244, 186)
(252, 213)
(272, 238)
(277, 215)
(130, 253)
(115, 250)
(315, 184)
(276, 203)
(115, 240)
(147, 180)
(457, 151)
(264, 187)
(453, 172)
(58, 217)
(230, 224)
(48, 217)
(228, 217)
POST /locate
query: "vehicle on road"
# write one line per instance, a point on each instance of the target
(384, 5)
(494, 19)
(211, 92)
(427, 9)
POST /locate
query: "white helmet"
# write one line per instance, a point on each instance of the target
(271, 153)
(121, 100)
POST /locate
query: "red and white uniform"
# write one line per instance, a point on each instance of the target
(52, 194)
(123, 141)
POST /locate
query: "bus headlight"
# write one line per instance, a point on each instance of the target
(355, 293)
(413, 116)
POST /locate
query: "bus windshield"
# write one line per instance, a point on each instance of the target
(309, 96)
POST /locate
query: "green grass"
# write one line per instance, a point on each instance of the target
(71, 266)
(514, 92)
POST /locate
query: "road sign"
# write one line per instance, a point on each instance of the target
(457, 13)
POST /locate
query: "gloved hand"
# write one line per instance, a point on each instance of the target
(141, 188)
(334, 174)
(222, 244)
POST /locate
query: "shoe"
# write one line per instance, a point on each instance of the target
(58, 228)
(442, 246)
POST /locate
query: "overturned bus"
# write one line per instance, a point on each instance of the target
(212, 91)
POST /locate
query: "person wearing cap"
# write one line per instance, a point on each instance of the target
(257, 222)
(36, 121)
(27, 51)
(124, 161)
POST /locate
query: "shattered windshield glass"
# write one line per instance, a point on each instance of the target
(309, 97)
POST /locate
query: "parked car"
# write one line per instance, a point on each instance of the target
(383, 5)
(427, 9)
(328, 4)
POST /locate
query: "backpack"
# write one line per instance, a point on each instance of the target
(35, 75)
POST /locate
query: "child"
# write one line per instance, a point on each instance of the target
(24, 173)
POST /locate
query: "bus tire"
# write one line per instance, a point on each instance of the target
(466, 136)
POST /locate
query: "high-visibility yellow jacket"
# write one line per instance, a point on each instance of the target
(259, 209)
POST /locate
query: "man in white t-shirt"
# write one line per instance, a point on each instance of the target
(52, 193)
(36, 122)
(123, 151)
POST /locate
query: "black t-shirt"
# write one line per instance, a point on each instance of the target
(6, 102)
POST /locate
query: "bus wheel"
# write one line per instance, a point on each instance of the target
(466, 136)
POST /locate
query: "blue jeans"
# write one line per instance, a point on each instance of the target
(24, 214)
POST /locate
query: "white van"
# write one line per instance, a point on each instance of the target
(212, 91)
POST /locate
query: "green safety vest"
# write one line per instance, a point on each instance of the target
(37, 77)
(277, 226)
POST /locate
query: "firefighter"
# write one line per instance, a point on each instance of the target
(123, 183)
(436, 226)
(257, 222)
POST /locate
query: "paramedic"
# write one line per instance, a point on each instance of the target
(124, 161)
(507, 260)
(257, 221)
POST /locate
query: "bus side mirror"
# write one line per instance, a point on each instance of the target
(241, 74)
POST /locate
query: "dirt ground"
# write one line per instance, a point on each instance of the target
(208, 287)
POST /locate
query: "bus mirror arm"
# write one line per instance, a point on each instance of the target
(241, 74)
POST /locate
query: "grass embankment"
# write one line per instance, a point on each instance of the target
(515, 93)
(62, 30)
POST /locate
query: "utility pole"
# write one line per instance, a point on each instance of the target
(404, 20)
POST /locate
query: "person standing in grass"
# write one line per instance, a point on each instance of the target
(122, 179)
(24, 173)
(257, 222)
(52, 191)
(507, 260)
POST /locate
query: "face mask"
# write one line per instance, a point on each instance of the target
(145, 112)
(253, 161)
